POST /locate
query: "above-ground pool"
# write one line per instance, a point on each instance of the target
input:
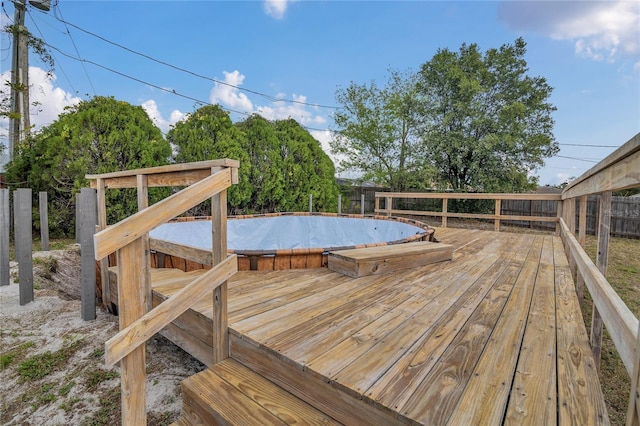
(292, 240)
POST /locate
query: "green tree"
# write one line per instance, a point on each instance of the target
(209, 134)
(266, 178)
(486, 123)
(306, 169)
(377, 133)
(96, 136)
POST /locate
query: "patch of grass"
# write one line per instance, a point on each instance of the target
(70, 404)
(66, 388)
(109, 412)
(97, 376)
(9, 357)
(622, 274)
(98, 353)
(38, 366)
(48, 264)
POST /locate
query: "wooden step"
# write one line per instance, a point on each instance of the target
(385, 259)
(231, 394)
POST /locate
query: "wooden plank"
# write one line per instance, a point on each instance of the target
(274, 399)
(220, 293)
(476, 216)
(386, 259)
(107, 299)
(44, 220)
(582, 238)
(87, 221)
(617, 171)
(131, 306)
(108, 240)
(496, 223)
(315, 392)
(470, 195)
(196, 165)
(194, 254)
(580, 399)
(533, 395)
(444, 212)
(633, 410)
(23, 239)
(142, 192)
(5, 221)
(142, 328)
(620, 321)
(485, 398)
(604, 230)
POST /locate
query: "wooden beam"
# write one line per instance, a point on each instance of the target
(444, 212)
(131, 306)
(109, 240)
(470, 195)
(618, 171)
(152, 322)
(196, 165)
(476, 216)
(496, 222)
(104, 262)
(582, 238)
(604, 226)
(620, 321)
(633, 411)
(194, 254)
(142, 191)
(220, 293)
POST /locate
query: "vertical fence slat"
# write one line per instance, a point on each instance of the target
(44, 221)
(310, 203)
(5, 224)
(496, 223)
(444, 212)
(22, 206)
(582, 239)
(388, 204)
(601, 262)
(87, 221)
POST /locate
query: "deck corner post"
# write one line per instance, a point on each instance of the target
(219, 248)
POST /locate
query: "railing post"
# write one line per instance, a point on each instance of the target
(104, 262)
(388, 204)
(131, 306)
(219, 247)
(582, 238)
(570, 215)
(559, 215)
(444, 212)
(143, 203)
(496, 222)
(601, 262)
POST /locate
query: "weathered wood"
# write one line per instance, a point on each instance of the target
(444, 212)
(87, 220)
(340, 203)
(620, 321)
(386, 259)
(107, 299)
(474, 215)
(633, 410)
(171, 168)
(142, 192)
(570, 213)
(580, 399)
(469, 195)
(496, 223)
(109, 240)
(24, 241)
(5, 221)
(44, 221)
(131, 306)
(617, 171)
(152, 322)
(362, 204)
(601, 262)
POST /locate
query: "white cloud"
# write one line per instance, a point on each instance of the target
(276, 8)
(600, 30)
(282, 110)
(228, 94)
(151, 107)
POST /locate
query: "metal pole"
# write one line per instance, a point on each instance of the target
(19, 119)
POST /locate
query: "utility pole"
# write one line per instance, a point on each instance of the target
(19, 119)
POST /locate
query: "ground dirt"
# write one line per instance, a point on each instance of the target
(52, 369)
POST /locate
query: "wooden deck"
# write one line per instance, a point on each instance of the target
(494, 336)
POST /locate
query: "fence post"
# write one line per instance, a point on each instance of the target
(310, 203)
(5, 277)
(220, 295)
(582, 238)
(104, 263)
(444, 212)
(388, 204)
(87, 221)
(362, 204)
(23, 237)
(601, 262)
(559, 215)
(339, 203)
(44, 221)
(496, 222)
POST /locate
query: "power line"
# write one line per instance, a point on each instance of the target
(590, 146)
(57, 8)
(255, 92)
(578, 159)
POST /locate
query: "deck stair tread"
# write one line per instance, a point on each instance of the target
(366, 261)
(230, 393)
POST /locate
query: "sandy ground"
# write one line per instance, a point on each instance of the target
(53, 370)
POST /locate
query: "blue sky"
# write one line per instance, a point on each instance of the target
(302, 51)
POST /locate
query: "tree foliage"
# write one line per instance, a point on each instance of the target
(466, 121)
(96, 136)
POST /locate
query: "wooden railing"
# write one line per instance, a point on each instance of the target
(620, 170)
(129, 240)
(497, 217)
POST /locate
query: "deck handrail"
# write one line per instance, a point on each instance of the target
(129, 239)
(497, 217)
(119, 235)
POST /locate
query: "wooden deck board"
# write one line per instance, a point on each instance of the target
(494, 336)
